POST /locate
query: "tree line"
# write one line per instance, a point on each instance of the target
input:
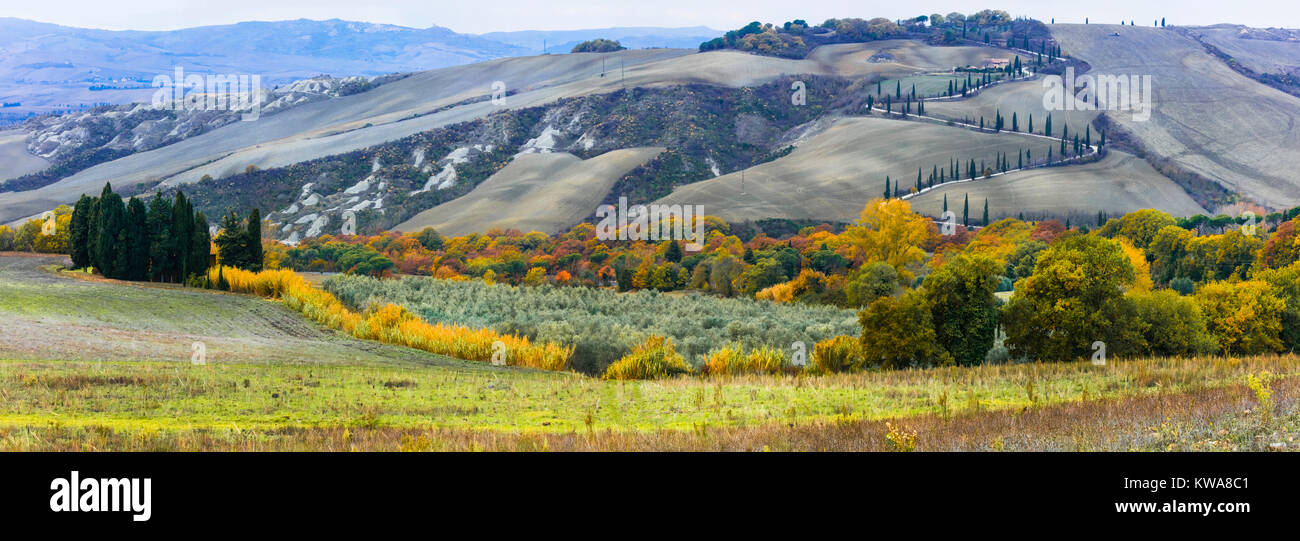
(165, 240)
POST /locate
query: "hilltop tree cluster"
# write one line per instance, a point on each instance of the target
(599, 45)
(794, 39)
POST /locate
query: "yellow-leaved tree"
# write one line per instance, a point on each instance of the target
(1141, 270)
(888, 231)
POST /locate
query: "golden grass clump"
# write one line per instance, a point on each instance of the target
(839, 354)
(655, 358)
(392, 324)
(731, 360)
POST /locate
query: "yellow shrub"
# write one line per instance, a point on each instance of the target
(391, 323)
(839, 354)
(655, 358)
(721, 360)
(731, 360)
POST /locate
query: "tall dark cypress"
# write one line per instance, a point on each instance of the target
(78, 234)
(254, 238)
(137, 241)
(201, 250)
(112, 223)
(181, 239)
(160, 227)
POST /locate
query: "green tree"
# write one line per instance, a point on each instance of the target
(78, 234)
(430, 239)
(872, 281)
(181, 240)
(897, 332)
(137, 241)
(960, 295)
(159, 223)
(112, 221)
(254, 240)
(1073, 299)
(1170, 325)
(232, 242)
(201, 246)
(673, 251)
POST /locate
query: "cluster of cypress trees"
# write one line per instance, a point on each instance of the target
(240, 241)
(167, 241)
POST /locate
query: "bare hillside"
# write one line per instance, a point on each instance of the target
(536, 192)
(437, 98)
(831, 175)
(1206, 117)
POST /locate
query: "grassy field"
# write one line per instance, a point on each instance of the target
(282, 384)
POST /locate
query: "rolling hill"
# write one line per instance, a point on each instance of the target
(1206, 117)
(432, 99)
(548, 192)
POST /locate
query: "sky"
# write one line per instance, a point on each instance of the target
(482, 16)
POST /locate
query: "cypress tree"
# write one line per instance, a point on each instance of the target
(1015, 124)
(201, 249)
(1031, 123)
(181, 238)
(673, 252)
(254, 239)
(965, 211)
(160, 227)
(232, 246)
(986, 212)
(78, 236)
(112, 223)
(137, 241)
(945, 203)
(887, 192)
(93, 221)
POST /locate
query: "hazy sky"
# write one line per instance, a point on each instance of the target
(491, 15)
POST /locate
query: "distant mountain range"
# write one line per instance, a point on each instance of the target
(46, 67)
(633, 37)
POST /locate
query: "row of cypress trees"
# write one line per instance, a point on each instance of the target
(167, 241)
